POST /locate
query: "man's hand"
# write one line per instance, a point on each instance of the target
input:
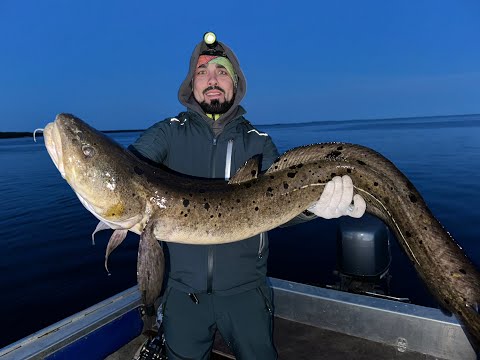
(336, 200)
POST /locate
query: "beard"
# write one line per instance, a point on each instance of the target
(216, 107)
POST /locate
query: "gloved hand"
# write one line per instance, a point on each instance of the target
(336, 200)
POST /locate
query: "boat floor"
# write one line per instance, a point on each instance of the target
(298, 341)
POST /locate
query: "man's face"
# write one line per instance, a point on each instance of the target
(212, 83)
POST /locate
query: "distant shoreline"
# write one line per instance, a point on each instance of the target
(22, 134)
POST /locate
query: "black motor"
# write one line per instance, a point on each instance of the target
(363, 255)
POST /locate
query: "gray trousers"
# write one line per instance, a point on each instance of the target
(244, 321)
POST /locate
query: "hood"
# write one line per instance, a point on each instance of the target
(185, 93)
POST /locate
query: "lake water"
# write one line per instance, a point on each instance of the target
(49, 268)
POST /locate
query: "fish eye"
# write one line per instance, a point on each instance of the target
(88, 150)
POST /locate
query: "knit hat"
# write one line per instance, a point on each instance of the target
(220, 60)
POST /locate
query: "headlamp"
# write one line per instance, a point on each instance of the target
(210, 39)
(213, 47)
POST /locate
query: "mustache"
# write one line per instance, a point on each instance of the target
(213, 88)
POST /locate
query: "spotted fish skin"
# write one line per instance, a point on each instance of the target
(126, 193)
(439, 260)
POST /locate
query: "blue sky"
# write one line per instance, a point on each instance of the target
(118, 64)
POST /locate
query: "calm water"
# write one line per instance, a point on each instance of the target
(49, 268)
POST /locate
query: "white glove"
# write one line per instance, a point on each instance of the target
(336, 200)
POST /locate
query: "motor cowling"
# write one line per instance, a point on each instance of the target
(363, 256)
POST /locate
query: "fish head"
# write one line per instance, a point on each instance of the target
(96, 168)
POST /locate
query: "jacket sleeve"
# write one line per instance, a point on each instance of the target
(152, 146)
(270, 153)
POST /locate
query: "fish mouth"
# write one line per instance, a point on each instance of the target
(53, 144)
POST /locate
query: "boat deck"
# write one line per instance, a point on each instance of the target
(298, 341)
(310, 323)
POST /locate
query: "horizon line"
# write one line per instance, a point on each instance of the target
(17, 134)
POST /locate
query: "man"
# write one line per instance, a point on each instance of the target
(221, 286)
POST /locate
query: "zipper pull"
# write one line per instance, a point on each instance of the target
(193, 297)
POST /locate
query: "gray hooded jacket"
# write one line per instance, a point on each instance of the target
(194, 144)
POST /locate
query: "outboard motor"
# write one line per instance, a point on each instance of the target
(363, 255)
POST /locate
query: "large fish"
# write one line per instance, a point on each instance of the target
(128, 195)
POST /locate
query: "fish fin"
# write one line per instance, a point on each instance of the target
(116, 239)
(295, 157)
(100, 226)
(150, 266)
(248, 171)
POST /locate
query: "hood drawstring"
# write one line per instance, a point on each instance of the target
(214, 116)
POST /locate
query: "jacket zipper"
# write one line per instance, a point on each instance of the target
(228, 160)
(210, 269)
(210, 247)
(212, 159)
(228, 168)
(261, 245)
